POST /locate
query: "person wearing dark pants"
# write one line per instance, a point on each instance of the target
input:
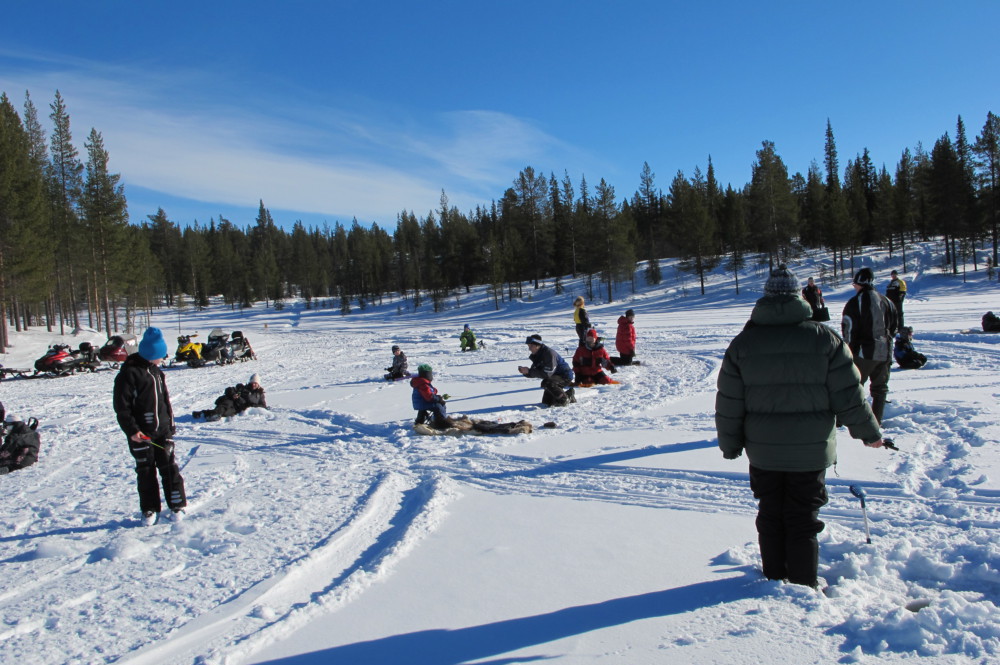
(788, 522)
(896, 292)
(785, 383)
(868, 326)
(580, 318)
(552, 369)
(142, 406)
(429, 404)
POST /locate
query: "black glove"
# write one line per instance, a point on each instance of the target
(732, 454)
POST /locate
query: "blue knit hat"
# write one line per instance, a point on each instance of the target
(152, 345)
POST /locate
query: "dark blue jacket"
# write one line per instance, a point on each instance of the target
(546, 363)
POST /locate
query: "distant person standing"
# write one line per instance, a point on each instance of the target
(142, 405)
(814, 296)
(896, 292)
(580, 318)
(869, 326)
(785, 383)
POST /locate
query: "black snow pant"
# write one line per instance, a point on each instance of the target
(623, 359)
(552, 391)
(151, 456)
(913, 361)
(898, 302)
(788, 521)
(877, 371)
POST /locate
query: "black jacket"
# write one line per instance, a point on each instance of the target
(141, 400)
(238, 399)
(869, 325)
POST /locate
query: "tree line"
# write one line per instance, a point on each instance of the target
(69, 255)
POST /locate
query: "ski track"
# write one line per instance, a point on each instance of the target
(60, 531)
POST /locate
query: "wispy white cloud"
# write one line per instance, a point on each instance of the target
(171, 132)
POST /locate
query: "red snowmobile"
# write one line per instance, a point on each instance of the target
(60, 360)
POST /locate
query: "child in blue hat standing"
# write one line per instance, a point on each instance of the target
(142, 405)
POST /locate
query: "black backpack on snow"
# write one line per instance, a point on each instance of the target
(20, 446)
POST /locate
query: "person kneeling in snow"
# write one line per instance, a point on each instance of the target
(590, 360)
(236, 399)
(904, 353)
(554, 372)
(427, 401)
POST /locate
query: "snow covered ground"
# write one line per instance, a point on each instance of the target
(324, 530)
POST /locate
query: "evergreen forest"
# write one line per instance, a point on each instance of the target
(71, 256)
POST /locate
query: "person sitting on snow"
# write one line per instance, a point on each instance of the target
(426, 400)
(468, 339)
(554, 372)
(235, 399)
(590, 360)
(991, 322)
(398, 369)
(903, 350)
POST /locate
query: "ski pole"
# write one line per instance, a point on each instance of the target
(860, 493)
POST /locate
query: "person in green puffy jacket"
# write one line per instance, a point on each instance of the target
(785, 384)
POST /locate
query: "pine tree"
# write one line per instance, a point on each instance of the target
(22, 209)
(772, 209)
(694, 228)
(903, 203)
(987, 163)
(105, 220)
(837, 230)
(66, 184)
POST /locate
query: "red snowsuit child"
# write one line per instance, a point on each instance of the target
(625, 339)
(590, 360)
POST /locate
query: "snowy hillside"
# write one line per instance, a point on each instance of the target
(324, 530)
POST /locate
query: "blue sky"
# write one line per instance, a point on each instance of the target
(329, 111)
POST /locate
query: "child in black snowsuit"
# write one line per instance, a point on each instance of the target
(904, 353)
(991, 322)
(236, 399)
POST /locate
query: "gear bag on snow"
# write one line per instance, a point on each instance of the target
(20, 446)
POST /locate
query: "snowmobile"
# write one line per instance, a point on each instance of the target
(218, 349)
(238, 348)
(60, 360)
(116, 350)
(196, 354)
(187, 351)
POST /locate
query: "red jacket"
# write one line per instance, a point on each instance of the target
(625, 339)
(590, 361)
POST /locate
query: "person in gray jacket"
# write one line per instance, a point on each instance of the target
(785, 383)
(869, 326)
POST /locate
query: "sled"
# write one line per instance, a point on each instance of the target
(469, 426)
(590, 384)
(11, 371)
